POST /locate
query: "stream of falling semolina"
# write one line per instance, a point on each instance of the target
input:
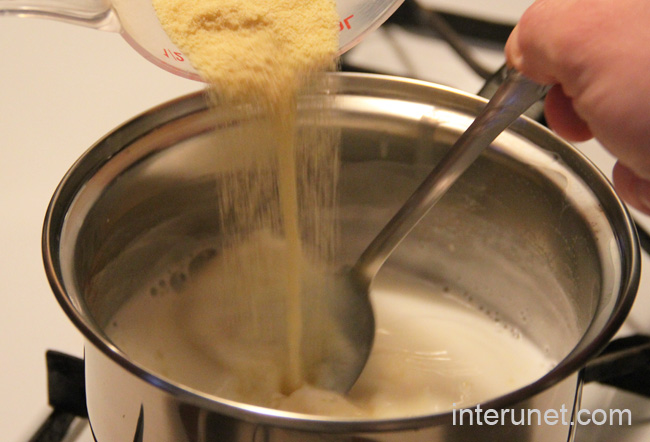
(260, 54)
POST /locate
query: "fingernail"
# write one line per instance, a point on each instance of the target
(514, 58)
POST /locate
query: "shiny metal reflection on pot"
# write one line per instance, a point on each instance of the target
(534, 226)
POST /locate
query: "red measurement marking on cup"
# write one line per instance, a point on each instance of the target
(345, 23)
(173, 55)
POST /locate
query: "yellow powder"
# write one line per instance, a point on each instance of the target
(260, 55)
(253, 50)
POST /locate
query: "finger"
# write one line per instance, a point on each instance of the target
(531, 47)
(561, 116)
(514, 53)
(633, 190)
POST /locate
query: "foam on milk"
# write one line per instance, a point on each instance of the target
(433, 351)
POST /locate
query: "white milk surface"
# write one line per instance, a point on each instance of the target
(433, 352)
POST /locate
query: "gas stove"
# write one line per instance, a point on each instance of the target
(65, 86)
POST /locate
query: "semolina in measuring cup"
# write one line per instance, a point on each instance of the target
(137, 22)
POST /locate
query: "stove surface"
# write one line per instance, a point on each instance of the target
(66, 86)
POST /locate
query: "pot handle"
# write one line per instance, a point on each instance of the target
(624, 364)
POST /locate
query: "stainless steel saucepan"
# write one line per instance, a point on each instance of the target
(532, 230)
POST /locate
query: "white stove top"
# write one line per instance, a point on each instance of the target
(63, 87)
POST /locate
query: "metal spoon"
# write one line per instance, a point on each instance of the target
(515, 95)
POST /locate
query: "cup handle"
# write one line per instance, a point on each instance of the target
(96, 14)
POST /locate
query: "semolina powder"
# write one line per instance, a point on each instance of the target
(253, 51)
(260, 55)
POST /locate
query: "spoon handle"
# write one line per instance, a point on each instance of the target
(515, 95)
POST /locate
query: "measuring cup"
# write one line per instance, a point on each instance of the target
(137, 22)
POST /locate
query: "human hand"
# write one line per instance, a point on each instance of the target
(597, 53)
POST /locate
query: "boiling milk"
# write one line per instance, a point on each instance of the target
(433, 351)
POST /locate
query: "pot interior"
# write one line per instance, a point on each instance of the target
(532, 233)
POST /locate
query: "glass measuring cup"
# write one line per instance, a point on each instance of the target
(137, 22)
